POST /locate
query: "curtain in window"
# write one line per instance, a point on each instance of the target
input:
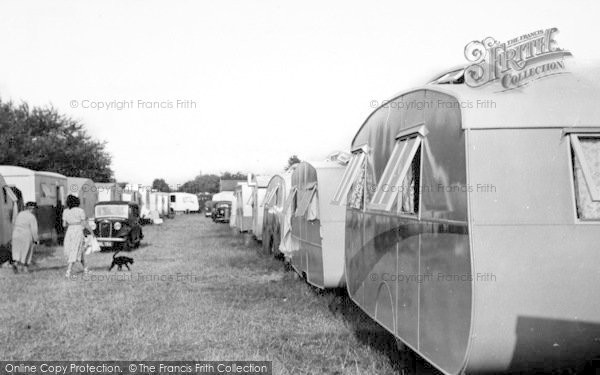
(408, 193)
(355, 198)
(586, 207)
(313, 213)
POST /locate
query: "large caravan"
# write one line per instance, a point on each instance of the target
(477, 261)
(315, 228)
(48, 190)
(86, 191)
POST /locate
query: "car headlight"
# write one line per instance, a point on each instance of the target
(93, 225)
(117, 226)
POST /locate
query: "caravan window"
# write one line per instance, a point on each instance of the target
(173, 198)
(586, 175)
(400, 178)
(307, 198)
(290, 203)
(48, 191)
(351, 174)
(271, 197)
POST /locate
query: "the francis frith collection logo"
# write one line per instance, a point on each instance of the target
(516, 62)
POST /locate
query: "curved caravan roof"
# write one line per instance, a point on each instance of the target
(28, 182)
(261, 181)
(14, 171)
(568, 99)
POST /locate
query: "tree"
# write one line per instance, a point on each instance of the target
(44, 140)
(208, 183)
(294, 159)
(161, 185)
(233, 176)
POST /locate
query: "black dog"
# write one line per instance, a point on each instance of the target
(120, 262)
(6, 256)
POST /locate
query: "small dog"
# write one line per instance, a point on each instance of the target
(6, 256)
(120, 262)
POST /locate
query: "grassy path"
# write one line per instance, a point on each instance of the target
(195, 292)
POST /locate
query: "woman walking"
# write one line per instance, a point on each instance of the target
(24, 236)
(75, 221)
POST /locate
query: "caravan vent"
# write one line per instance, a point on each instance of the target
(454, 77)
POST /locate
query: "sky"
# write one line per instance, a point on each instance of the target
(213, 86)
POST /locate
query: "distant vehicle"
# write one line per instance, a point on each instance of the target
(117, 225)
(48, 190)
(184, 202)
(208, 207)
(86, 191)
(202, 199)
(221, 212)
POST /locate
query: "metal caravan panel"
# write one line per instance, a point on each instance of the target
(394, 261)
(544, 260)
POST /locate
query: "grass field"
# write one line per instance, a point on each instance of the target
(195, 292)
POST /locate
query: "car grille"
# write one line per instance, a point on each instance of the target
(105, 230)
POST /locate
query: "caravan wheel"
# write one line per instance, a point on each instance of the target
(407, 358)
(54, 238)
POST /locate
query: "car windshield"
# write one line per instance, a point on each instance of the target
(112, 210)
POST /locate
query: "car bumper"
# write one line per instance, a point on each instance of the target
(110, 239)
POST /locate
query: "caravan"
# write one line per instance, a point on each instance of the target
(8, 213)
(258, 184)
(243, 215)
(85, 190)
(477, 261)
(184, 202)
(273, 219)
(314, 229)
(109, 191)
(48, 190)
(160, 203)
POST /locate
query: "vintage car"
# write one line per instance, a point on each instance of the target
(208, 208)
(117, 225)
(221, 212)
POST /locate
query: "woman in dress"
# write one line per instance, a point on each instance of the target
(24, 236)
(75, 221)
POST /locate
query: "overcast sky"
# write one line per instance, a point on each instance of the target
(268, 78)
